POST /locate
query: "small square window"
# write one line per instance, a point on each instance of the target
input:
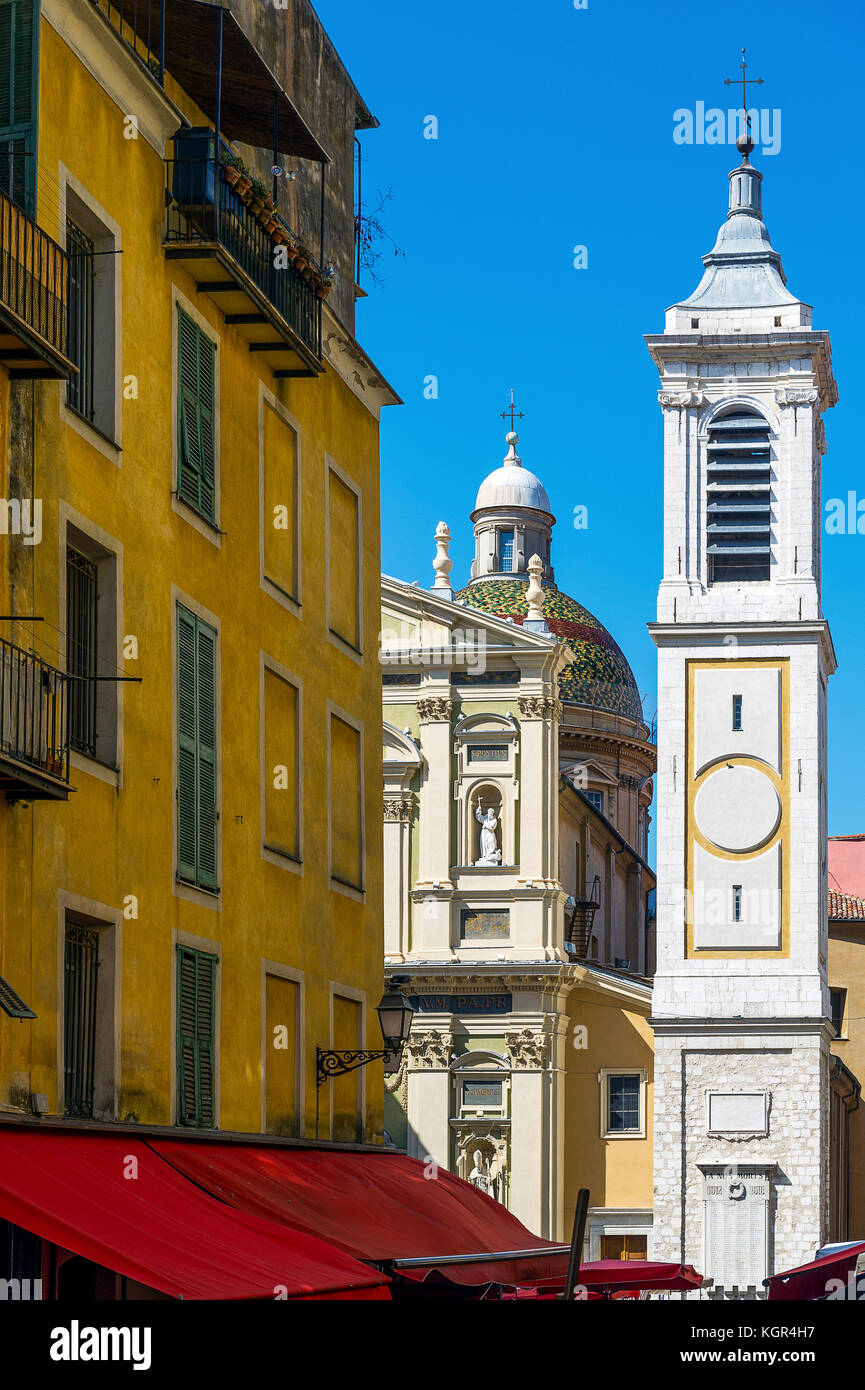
(777, 320)
(597, 800)
(623, 1103)
(695, 323)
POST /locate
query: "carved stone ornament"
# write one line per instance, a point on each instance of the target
(679, 400)
(789, 395)
(435, 709)
(528, 1050)
(397, 808)
(430, 1051)
(539, 707)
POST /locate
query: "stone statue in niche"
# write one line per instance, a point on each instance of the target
(491, 855)
(481, 1176)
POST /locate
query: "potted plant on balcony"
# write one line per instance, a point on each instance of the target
(231, 166)
(325, 282)
(259, 196)
(303, 256)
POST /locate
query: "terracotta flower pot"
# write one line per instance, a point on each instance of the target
(277, 235)
(256, 205)
(243, 186)
(230, 175)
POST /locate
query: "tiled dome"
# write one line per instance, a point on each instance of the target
(600, 677)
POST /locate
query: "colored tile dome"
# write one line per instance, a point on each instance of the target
(600, 677)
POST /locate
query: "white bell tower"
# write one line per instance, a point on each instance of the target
(744, 656)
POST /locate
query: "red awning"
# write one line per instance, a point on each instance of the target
(375, 1207)
(813, 1280)
(114, 1201)
(622, 1279)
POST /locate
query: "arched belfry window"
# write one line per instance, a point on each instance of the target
(738, 498)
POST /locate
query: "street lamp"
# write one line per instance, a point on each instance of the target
(394, 1016)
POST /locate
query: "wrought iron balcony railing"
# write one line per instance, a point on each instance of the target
(34, 284)
(206, 218)
(34, 725)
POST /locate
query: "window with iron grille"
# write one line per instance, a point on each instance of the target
(196, 1037)
(79, 1013)
(739, 498)
(623, 1103)
(81, 649)
(80, 319)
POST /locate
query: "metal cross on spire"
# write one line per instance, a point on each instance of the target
(755, 81)
(513, 412)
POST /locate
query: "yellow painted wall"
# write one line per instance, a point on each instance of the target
(618, 1172)
(112, 841)
(847, 971)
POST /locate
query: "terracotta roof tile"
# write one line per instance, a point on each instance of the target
(844, 907)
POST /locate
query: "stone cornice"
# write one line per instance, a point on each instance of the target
(785, 343)
(773, 633)
(741, 1027)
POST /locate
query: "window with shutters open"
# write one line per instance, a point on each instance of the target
(197, 812)
(196, 1038)
(196, 386)
(19, 84)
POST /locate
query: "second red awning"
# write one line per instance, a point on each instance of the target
(387, 1208)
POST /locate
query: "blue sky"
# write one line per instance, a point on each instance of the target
(555, 130)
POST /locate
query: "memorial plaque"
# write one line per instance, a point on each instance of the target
(736, 1224)
(482, 1094)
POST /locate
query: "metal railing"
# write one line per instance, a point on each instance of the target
(202, 207)
(34, 724)
(34, 275)
(141, 24)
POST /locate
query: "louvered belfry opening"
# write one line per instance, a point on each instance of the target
(739, 498)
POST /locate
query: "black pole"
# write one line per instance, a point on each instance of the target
(275, 146)
(162, 4)
(219, 29)
(322, 166)
(357, 229)
(577, 1239)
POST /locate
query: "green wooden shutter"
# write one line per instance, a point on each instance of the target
(19, 100)
(196, 1020)
(196, 376)
(187, 747)
(196, 751)
(206, 759)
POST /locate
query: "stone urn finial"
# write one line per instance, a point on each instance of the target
(535, 593)
(443, 564)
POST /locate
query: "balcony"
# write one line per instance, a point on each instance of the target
(34, 281)
(214, 235)
(34, 727)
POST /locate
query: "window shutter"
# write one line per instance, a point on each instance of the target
(196, 750)
(187, 806)
(19, 68)
(196, 1015)
(206, 381)
(196, 371)
(206, 755)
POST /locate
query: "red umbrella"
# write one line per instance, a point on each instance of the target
(619, 1279)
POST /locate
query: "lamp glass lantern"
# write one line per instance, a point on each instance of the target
(394, 1016)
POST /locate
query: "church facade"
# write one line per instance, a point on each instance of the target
(741, 1007)
(517, 786)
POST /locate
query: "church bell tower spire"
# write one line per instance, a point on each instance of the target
(744, 656)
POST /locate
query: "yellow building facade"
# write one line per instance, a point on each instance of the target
(190, 850)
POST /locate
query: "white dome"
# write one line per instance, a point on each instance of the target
(512, 486)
